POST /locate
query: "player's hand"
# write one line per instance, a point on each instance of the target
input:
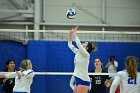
(4, 80)
(107, 83)
(74, 29)
(90, 79)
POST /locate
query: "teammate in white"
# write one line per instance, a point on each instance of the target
(129, 79)
(81, 60)
(23, 78)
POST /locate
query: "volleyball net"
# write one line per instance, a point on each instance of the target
(52, 82)
(61, 35)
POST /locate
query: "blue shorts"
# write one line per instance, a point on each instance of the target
(79, 81)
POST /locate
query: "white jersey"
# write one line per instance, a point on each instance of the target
(81, 60)
(23, 83)
(127, 84)
(112, 69)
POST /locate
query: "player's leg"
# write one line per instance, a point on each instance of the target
(75, 89)
(82, 89)
(82, 86)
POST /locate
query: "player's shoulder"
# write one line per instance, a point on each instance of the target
(121, 73)
(29, 71)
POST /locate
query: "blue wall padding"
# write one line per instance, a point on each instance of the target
(51, 57)
(11, 50)
(55, 56)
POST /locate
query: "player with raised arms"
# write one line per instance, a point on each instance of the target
(81, 60)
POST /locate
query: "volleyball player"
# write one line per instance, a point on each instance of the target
(99, 82)
(23, 78)
(81, 61)
(8, 84)
(129, 79)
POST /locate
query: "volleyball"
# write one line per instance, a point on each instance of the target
(71, 13)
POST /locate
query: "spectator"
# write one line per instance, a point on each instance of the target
(111, 68)
(115, 62)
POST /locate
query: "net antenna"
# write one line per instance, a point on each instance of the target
(87, 12)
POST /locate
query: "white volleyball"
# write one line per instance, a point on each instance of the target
(71, 13)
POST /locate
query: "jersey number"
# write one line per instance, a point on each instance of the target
(132, 81)
(98, 82)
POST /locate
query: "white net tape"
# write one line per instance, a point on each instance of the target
(23, 35)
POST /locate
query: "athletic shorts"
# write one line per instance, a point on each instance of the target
(79, 81)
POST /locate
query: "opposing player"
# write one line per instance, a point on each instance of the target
(129, 79)
(8, 84)
(99, 83)
(23, 78)
(81, 61)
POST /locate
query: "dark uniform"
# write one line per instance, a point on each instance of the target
(98, 83)
(7, 87)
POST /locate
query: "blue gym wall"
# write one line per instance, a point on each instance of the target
(50, 56)
(11, 50)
